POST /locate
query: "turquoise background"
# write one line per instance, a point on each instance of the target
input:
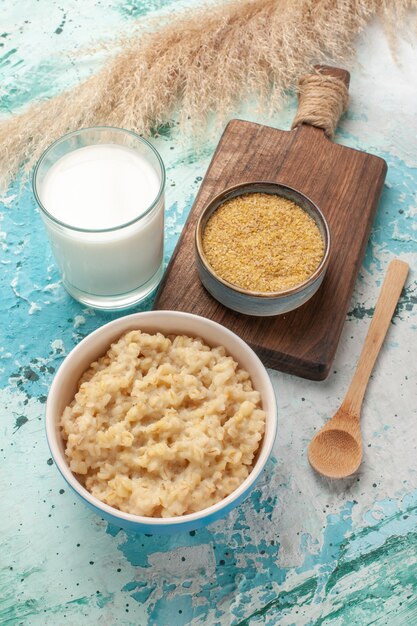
(301, 550)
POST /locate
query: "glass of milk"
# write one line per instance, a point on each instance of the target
(101, 195)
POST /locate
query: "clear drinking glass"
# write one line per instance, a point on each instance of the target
(109, 268)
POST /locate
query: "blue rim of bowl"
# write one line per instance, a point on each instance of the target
(113, 228)
(74, 483)
(245, 188)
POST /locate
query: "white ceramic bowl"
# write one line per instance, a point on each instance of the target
(64, 387)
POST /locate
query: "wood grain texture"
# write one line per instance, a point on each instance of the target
(345, 183)
(336, 72)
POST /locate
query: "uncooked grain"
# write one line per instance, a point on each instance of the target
(163, 426)
(262, 242)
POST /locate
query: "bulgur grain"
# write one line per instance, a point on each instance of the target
(262, 242)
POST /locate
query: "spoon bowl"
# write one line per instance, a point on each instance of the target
(335, 453)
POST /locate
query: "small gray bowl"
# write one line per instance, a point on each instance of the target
(256, 302)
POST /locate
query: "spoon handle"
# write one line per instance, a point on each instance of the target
(384, 310)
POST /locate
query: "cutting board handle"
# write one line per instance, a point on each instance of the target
(322, 98)
(335, 72)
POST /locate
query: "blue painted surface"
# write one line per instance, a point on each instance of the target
(300, 549)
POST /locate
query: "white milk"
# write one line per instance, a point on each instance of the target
(95, 188)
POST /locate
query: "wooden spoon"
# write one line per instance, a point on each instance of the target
(336, 450)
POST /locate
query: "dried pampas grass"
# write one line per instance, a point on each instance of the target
(198, 64)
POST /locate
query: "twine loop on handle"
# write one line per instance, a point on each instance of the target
(321, 101)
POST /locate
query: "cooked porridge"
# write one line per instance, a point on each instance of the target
(163, 426)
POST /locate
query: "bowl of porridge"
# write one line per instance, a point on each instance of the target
(161, 421)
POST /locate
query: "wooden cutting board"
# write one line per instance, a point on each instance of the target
(346, 184)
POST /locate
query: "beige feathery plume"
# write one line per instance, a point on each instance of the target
(200, 63)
